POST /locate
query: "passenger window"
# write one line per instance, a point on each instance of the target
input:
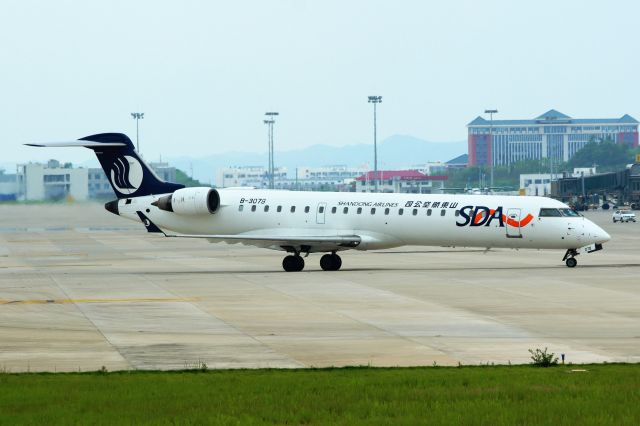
(457, 213)
(359, 211)
(415, 212)
(429, 212)
(373, 210)
(241, 207)
(306, 209)
(321, 209)
(253, 208)
(443, 212)
(266, 209)
(293, 209)
(128, 201)
(400, 212)
(386, 211)
(550, 213)
(345, 210)
(334, 209)
(279, 209)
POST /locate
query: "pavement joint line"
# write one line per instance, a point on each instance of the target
(363, 322)
(231, 326)
(116, 300)
(95, 326)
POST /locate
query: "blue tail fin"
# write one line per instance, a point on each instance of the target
(127, 172)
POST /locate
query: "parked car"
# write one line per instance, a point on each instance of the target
(624, 216)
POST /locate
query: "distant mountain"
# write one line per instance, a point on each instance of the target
(395, 152)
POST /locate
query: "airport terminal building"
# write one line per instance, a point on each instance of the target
(551, 135)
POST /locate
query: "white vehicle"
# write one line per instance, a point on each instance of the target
(301, 223)
(624, 216)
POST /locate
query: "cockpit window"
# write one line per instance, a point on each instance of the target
(569, 213)
(550, 213)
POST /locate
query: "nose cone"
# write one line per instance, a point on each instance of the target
(597, 235)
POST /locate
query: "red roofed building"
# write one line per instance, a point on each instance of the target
(401, 181)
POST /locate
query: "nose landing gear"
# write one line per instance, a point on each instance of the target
(570, 258)
(571, 262)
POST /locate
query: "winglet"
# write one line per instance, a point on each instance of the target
(151, 227)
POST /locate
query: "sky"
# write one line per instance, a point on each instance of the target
(204, 72)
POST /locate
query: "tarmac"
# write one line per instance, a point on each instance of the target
(81, 289)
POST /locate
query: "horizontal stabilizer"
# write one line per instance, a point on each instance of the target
(87, 144)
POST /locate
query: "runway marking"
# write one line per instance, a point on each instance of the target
(75, 301)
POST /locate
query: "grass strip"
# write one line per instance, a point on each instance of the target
(496, 395)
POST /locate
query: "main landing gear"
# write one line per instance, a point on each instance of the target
(295, 262)
(330, 262)
(570, 258)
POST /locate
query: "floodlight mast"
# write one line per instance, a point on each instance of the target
(491, 112)
(270, 121)
(375, 100)
(137, 116)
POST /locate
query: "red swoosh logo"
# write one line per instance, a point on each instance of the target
(516, 224)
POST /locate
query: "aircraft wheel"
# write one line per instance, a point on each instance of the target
(571, 262)
(293, 263)
(330, 262)
(337, 262)
(326, 262)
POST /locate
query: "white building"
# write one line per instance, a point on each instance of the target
(51, 181)
(255, 176)
(325, 178)
(335, 174)
(400, 181)
(539, 184)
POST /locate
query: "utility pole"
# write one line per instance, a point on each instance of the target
(137, 116)
(491, 112)
(375, 100)
(270, 121)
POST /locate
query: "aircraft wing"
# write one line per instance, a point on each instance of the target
(298, 242)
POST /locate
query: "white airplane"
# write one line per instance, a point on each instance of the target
(329, 222)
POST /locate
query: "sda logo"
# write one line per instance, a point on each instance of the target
(484, 216)
(126, 174)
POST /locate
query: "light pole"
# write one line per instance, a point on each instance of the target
(269, 122)
(375, 100)
(491, 112)
(137, 116)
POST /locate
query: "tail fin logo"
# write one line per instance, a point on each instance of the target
(126, 174)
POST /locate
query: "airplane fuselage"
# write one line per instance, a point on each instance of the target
(384, 220)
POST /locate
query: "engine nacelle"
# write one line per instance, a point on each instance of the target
(190, 201)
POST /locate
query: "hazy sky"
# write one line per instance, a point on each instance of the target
(204, 72)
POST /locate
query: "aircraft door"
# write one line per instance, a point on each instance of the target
(513, 223)
(321, 210)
